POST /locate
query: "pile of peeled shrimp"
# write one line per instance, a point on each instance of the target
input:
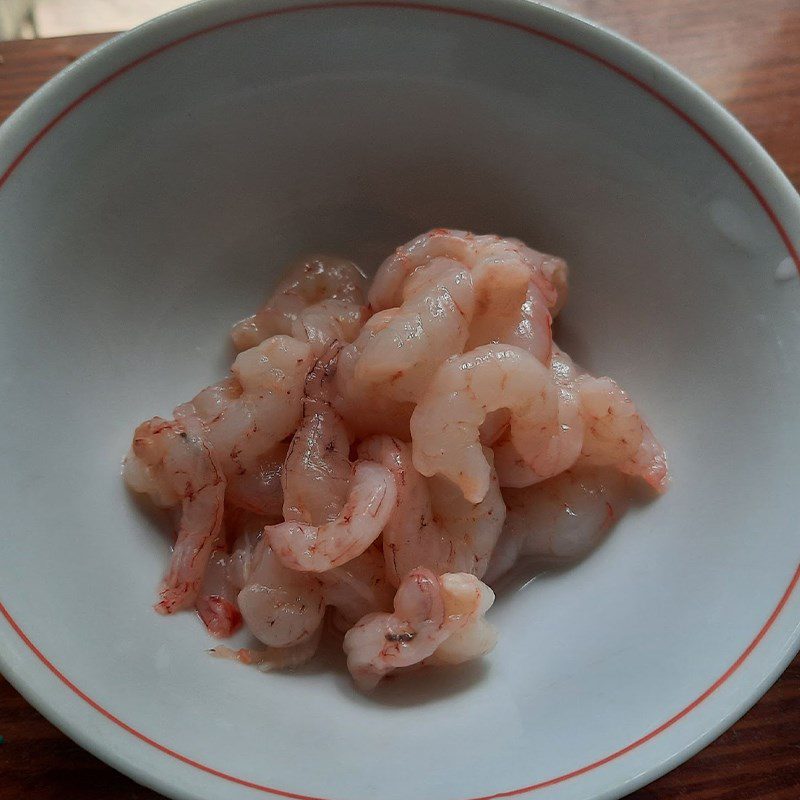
(374, 459)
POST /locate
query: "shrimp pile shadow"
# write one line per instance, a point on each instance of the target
(417, 687)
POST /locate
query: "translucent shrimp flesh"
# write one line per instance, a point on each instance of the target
(327, 281)
(216, 601)
(367, 409)
(616, 435)
(516, 467)
(281, 607)
(476, 253)
(445, 425)
(427, 611)
(433, 525)
(311, 548)
(366, 468)
(431, 324)
(560, 520)
(175, 466)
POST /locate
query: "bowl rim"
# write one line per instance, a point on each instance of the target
(764, 179)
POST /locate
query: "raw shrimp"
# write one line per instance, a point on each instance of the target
(527, 324)
(433, 525)
(367, 409)
(431, 325)
(649, 462)
(316, 279)
(381, 643)
(446, 387)
(551, 275)
(281, 607)
(333, 511)
(270, 658)
(258, 488)
(616, 435)
(445, 424)
(564, 446)
(465, 534)
(268, 409)
(329, 321)
(207, 404)
(247, 530)
(317, 471)
(246, 416)
(316, 485)
(357, 588)
(427, 611)
(370, 501)
(216, 600)
(466, 601)
(485, 256)
(559, 520)
(170, 461)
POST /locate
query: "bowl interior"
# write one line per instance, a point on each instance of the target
(160, 210)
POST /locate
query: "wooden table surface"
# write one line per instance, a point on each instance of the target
(746, 54)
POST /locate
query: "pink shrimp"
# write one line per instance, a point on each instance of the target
(216, 601)
(445, 425)
(370, 501)
(281, 607)
(367, 409)
(357, 588)
(487, 257)
(292, 309)
(433, 525)
(560, 520)
(616, 435)
(169, 460)
(431, 325)
(518, 468)
(427, 612)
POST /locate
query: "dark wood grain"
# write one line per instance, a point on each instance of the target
(26, 65)
(747, 54)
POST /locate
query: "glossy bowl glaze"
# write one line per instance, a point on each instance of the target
(149, 194)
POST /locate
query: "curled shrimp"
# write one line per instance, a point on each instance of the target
(381, 643)
(308, 282)
(427, 611)
(370, 500)
(367, 409)
(317, 471)
(560, 520)
(431, 325)
(207, 404)
(526, 324)
(487, 257)
(357, 588)
(333, 511)
(281, 607)
(171, 462)
(433, 525)
(517, 468)
(329, 321)
(271, 378)
(445, 425)
(616, 435)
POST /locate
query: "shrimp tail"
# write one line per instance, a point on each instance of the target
(221, 617)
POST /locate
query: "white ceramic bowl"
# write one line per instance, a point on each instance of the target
(150, 192)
